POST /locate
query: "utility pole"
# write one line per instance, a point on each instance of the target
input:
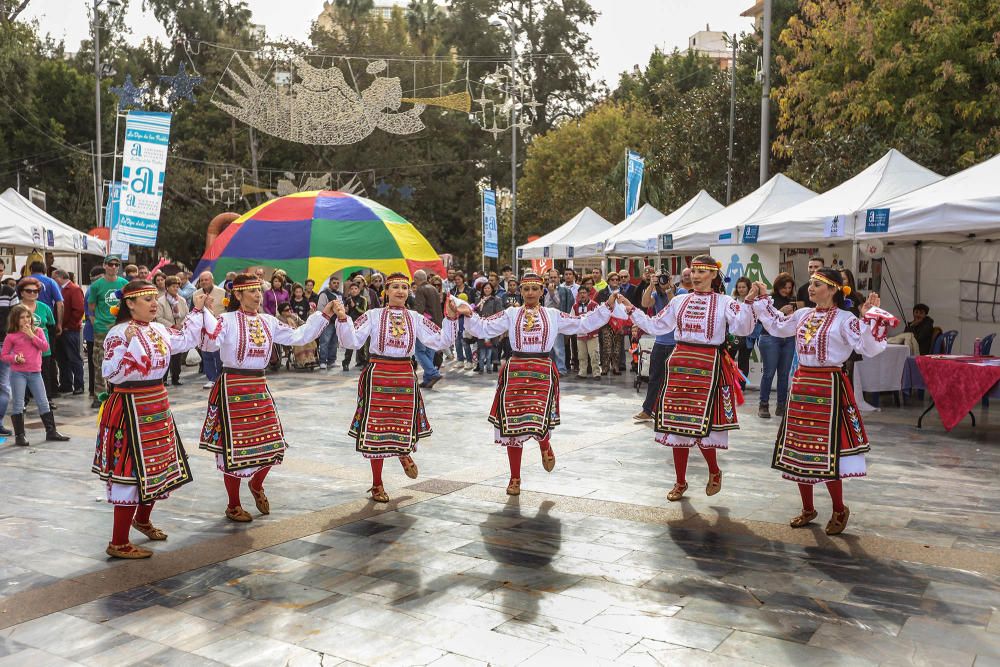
(513, 152)
(732, 123)
(765, 96)
(98, 176)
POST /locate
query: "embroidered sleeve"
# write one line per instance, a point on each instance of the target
(774, 321)
(740, 318)
(866, 338)
(489, 327)
(573, 324)
(283, 334)
(435, 337)
(663, 322)
(352, 334)
(190, 333)
(122, 359)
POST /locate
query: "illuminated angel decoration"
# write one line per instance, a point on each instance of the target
(323, 109)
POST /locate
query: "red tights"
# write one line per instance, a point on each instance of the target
(681, 462)
(514, 456)
(377, 471)
(123, 520)
(836, 489)
(232, 483)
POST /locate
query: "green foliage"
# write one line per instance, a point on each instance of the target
(863, 77)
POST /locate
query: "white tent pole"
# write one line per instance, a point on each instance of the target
(917, 258)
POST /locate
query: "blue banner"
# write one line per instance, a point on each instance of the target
(750, 233)
(634, 165)
(491, 239)
(147, 136)
(111, 207)
(877, 221)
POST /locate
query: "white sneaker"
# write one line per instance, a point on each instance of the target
(208, 385)
(468, 366)
(322, 367)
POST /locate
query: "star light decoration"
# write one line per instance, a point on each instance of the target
(128, 94)
(510, 93)
(181, 84)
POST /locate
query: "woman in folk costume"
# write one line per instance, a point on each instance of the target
(242, 427)
(139, 453)
(697, 405)
(390, 418)
(822, 438)
(526, 404)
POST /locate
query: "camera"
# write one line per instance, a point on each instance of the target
(663, 279)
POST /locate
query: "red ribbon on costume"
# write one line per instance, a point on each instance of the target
(731, 373)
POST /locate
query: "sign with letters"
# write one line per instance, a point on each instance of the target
(835, 226)
(750, 233)
(147, 136)
(877, 221)
(491, 239)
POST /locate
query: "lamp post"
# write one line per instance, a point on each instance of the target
(765, 96)
(508, 23)
(99, 184)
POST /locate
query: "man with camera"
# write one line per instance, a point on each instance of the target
(656, 296)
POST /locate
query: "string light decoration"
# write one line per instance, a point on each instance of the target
(128, 94)
(323, 109)
(506, 93)
(223, 185)
(181, 85)
(227, 185)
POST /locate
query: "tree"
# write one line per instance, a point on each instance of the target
(861, 78)
(568, 168)
(666, 77)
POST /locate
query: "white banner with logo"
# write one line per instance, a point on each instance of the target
(147, 136)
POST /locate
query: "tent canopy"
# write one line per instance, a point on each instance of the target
(557, 243)
(646, 240)
(595, 245)
(776, 195)
(948, 210)
(24, 225)
(892, 175)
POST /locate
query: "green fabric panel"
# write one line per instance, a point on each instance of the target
(360, 239)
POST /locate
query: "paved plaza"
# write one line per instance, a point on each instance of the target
(590, 565)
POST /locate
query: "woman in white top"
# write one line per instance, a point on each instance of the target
(822, 438)
(390, 418)
(139, 454)
(242, 427)
(697, 404)
(526, 404)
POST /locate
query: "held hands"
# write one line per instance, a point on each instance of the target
(450, 309)
(338, 309)
(330, 309)
(464, 309)
(873, 301)
(761, 289)
(753, 293)
(201, 300)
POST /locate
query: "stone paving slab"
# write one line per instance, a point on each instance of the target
(590, 565)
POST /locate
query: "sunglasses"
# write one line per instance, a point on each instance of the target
(29, 291)
(113, 264)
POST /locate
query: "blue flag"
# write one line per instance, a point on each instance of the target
(634, 165)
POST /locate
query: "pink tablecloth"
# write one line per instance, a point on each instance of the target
(957, 383)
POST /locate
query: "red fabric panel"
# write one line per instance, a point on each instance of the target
(956, 384)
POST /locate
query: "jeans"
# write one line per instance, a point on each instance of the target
(213, 365)
(425, 357)
(70, 362)
(658, 358)
(559, 354)
(328, 344)
(4, 388)
(463, 350)
(33, 381)
(777, 355)
(486, 352)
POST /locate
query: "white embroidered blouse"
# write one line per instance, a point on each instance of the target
(244, 340)
(535, 330)
(394, 332)
(824, 337)
(699, 317)
(147, 355)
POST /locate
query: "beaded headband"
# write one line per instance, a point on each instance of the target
(823, 279)
(256, 284)
(531, 279)
(397, 279)
(706, 267)
(142, 291)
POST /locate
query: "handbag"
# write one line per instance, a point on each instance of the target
(192, 358)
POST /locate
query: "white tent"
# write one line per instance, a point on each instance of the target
(557, 243)
(952, 209)
(808, 222)
(647, 240)
(776, 195)
(596, 244)
(25, 226)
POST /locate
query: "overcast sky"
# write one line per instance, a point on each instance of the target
(625, 34)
